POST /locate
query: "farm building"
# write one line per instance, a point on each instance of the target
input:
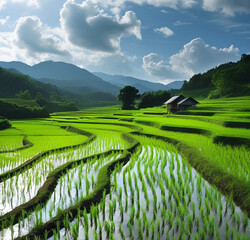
(177, 103)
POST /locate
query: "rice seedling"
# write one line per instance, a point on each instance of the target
(107, 229)
(111, 211)
(245, 221)
(54, 234)
(202, 234)
(152, 229)
(121, 232)
(189, 224)
(217, 233)
(100, 229)
(130, 228)
(95, 235)
(147, 229)
(139, 228)
(211, 225)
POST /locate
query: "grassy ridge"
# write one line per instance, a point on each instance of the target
(25, 142)
(29, 163)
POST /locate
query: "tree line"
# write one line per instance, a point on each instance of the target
(14, 111)
(128, 96)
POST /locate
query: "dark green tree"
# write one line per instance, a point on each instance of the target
(24, 95)
(4, 123)
(153, 99)
(41, 100)
(127, 96)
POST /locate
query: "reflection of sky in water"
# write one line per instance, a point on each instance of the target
(193, 212)
(181, 179)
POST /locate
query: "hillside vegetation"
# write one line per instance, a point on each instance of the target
(12, 83)
(227, 80)
(11, 111)
(22, 96)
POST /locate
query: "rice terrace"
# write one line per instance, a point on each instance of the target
(124, 120)
(105, 173)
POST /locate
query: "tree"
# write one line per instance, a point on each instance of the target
(245, 58)
(41, 100)
(127, 96)
(153, 99)
(4, 123)
(225, 82)
(24, 95)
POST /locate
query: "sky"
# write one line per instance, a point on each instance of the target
(156, 40)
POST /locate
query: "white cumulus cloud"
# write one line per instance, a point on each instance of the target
(195, 57)
(4, 20)
(228, 7)
(30, 3)
(111, 63)
(2, 4)
(89, 27)
(155, 65)
(167, 32)
(36, 38)
(157, 3)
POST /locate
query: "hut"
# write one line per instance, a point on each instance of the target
(177, 103)
(172, 103)
(186, 103)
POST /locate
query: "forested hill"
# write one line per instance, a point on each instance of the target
(16, 87)
(229, 79)
(12, 82)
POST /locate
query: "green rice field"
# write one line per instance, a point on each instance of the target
(106, 173)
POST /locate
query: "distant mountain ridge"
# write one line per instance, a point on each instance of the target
(81, 81)
(141, 85)
(63, 75)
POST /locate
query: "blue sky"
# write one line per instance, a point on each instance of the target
(157, 40)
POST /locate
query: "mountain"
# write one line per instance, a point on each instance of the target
(175, 85)
(141, 85)
(229, 79)
(65, 75)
